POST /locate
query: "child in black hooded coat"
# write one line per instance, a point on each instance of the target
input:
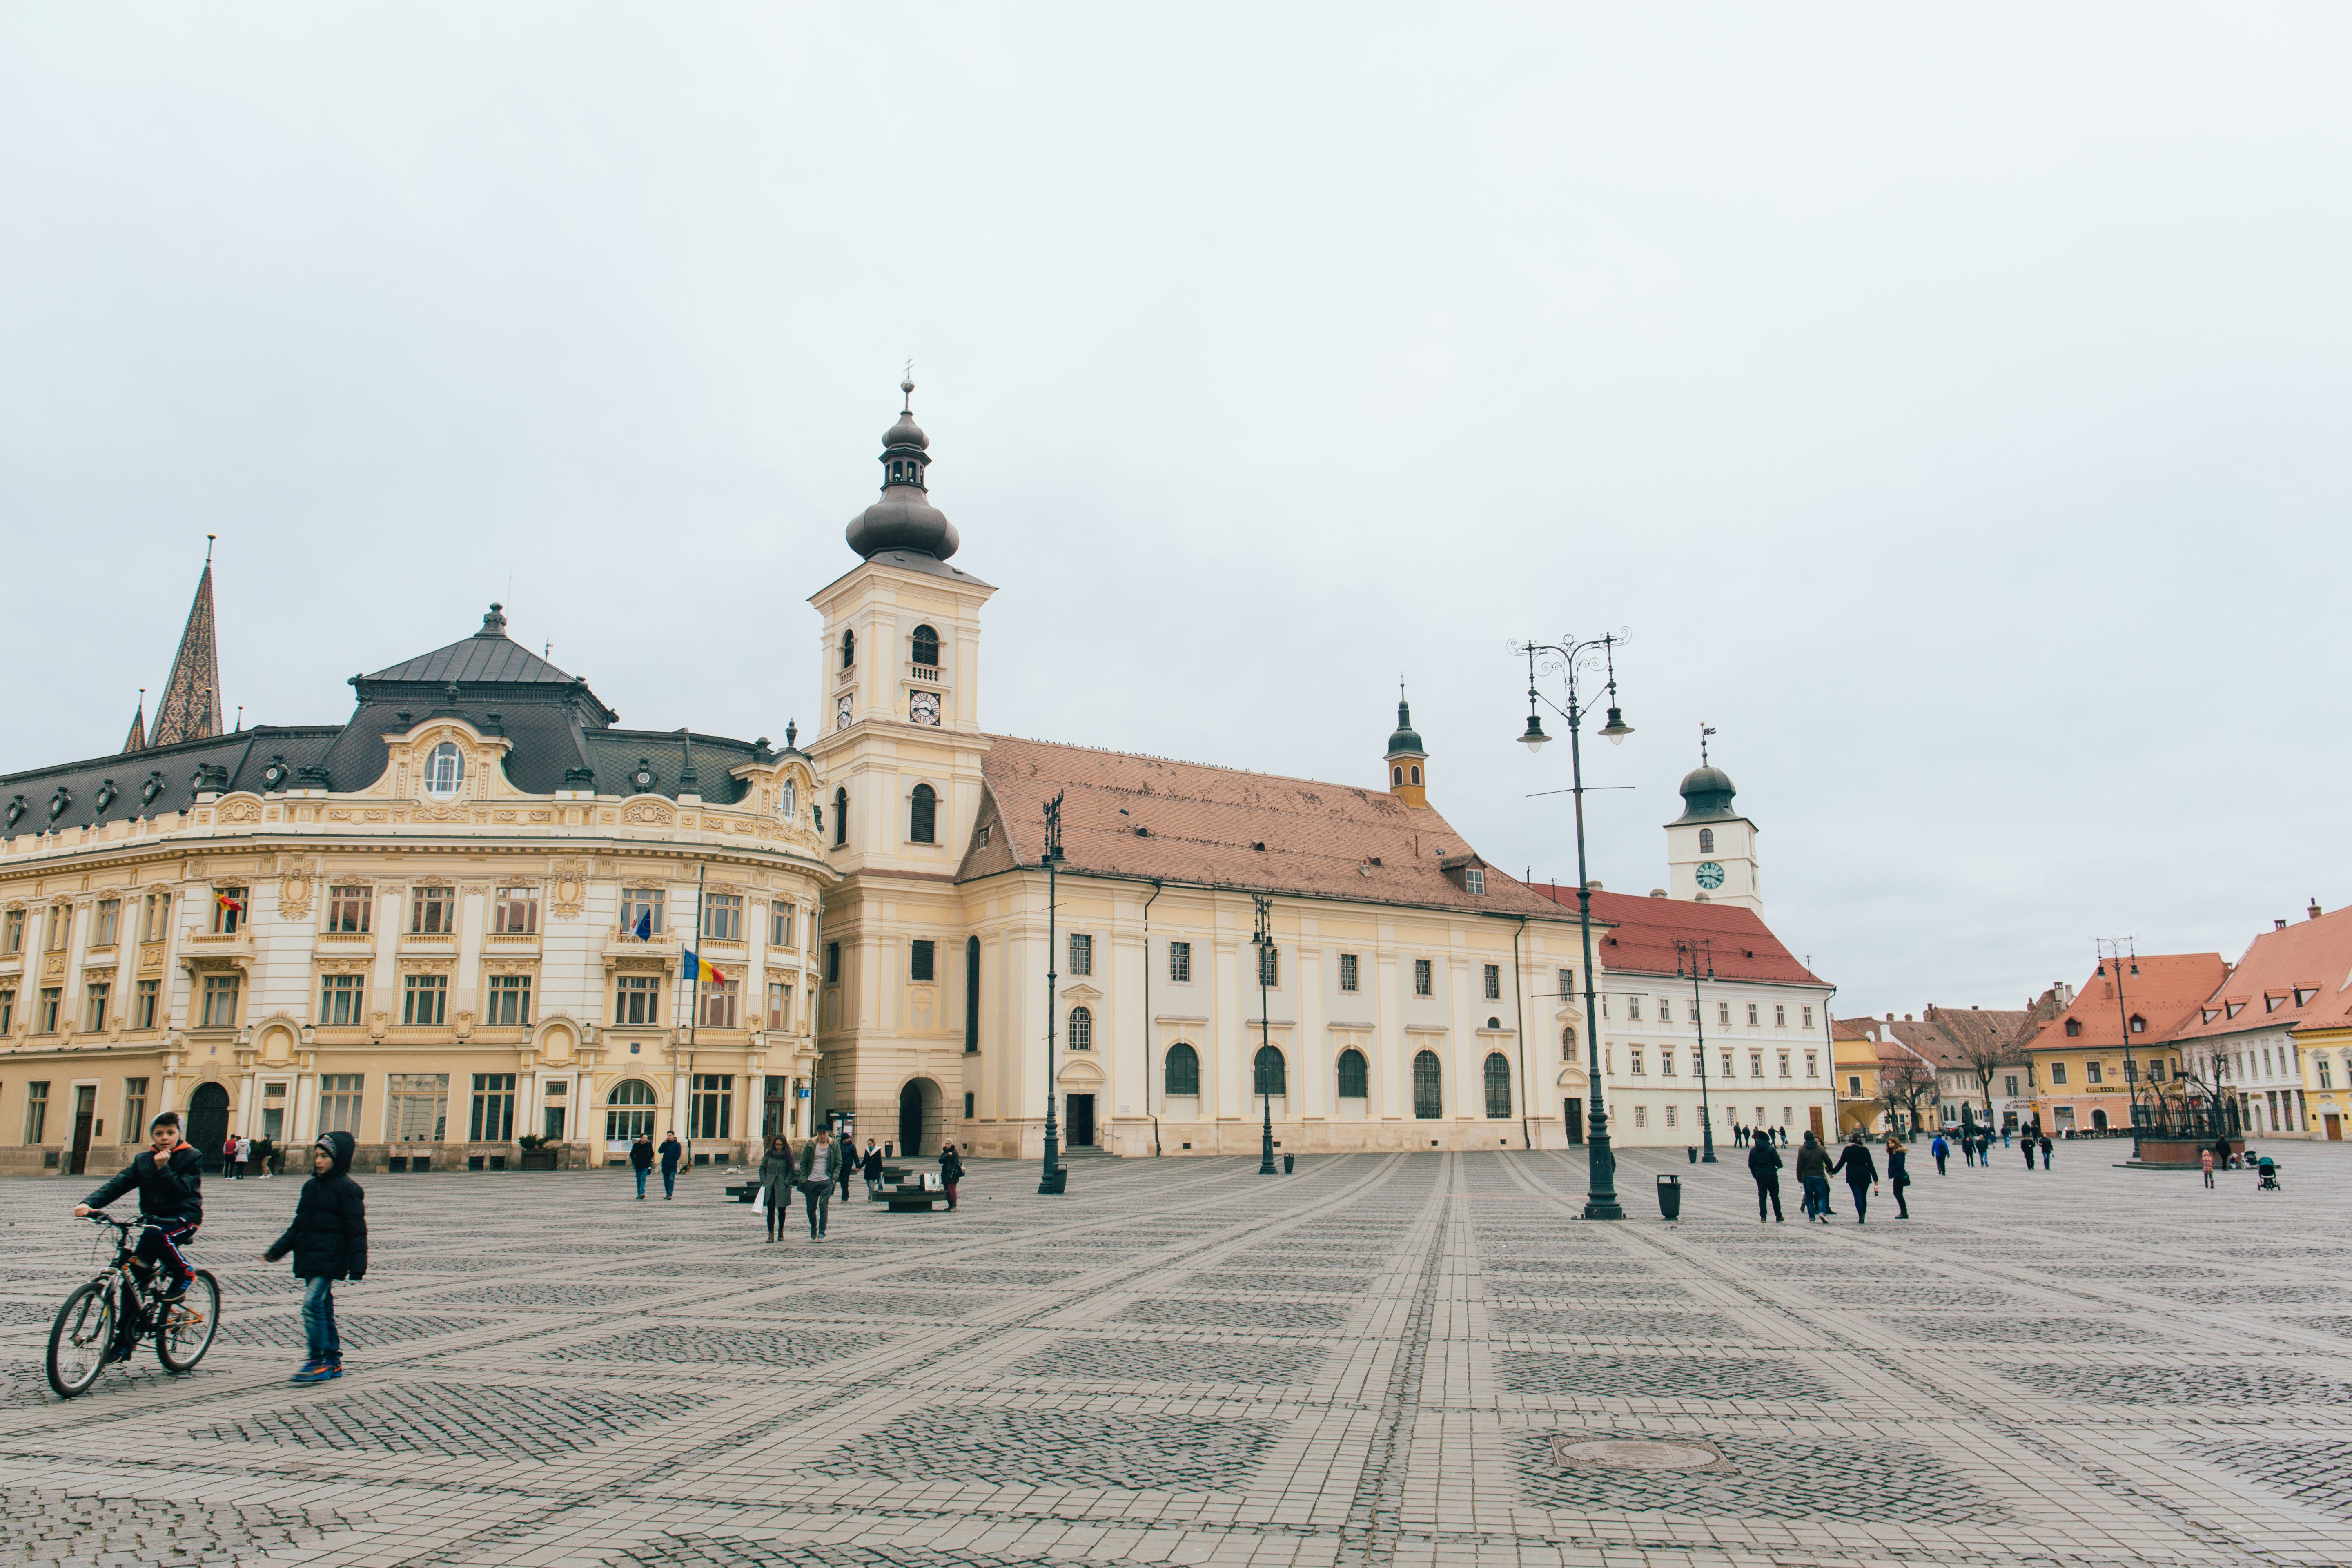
(328, 1241)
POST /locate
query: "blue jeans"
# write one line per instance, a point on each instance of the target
(318, 1320)
(1817, 1194)
(820, 1200)
(669, 1181)
(643, 1172)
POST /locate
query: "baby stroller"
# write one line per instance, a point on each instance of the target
(2269, 1168)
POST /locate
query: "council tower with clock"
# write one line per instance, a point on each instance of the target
(1710, 848)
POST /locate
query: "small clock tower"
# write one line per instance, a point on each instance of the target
(1710, 848)
(1407, 765)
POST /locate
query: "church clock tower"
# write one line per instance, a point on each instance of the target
(1710, 848)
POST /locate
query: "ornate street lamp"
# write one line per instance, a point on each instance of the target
(1265, 941)
(1601, 1162)
(1687, 957)
(1054, 1178)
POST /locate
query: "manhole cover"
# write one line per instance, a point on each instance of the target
(1637, 1454)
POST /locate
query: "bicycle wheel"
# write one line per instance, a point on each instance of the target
(189, 1325)
(81, 1338)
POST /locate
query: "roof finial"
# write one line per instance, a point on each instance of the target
(1705, 730)
(208, 547)
(907, 387)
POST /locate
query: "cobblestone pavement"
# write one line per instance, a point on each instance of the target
(1411, 1359)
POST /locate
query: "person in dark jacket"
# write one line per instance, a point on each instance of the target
(328, 1241)
(2045, 1151)
(672, 1152)
(1942, 1151)
(822, 1163)
(870, 1167)
(1861, 1171)
(170, 1176)
(1764, 1164)
(641, 1161)
(1898, 1174)
(776, 1181)
(1813, 1177)
(950, 1171)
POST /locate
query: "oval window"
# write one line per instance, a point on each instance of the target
(445, 770)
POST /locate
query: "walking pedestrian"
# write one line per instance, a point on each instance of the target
(672, 1150)
(1764, 1164)
(871, 1167)
(847, 1148)
(329, 1240)
(2206, 1159)
(641, 1161)
(1812, 1175)
(1861, 1172)
(950, 1171)
(821, 1164)
(1942, 1151)
(2222, 1152)
(776, 1181)
(2045, 1151)
(264, 1152)
(1898, 1174)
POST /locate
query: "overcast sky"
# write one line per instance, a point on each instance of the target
(1953, 409)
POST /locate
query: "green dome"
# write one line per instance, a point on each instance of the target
(1706, 794)
(1405, 742)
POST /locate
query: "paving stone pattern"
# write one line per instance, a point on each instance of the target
(1182, 1362)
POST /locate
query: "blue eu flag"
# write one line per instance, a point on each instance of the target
(645, 931)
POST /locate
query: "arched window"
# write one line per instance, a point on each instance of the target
(1428, 1087)
(1270, 1077)
(1706, 840)
(923, 815)
(926, 647)
(841, 815)
(1499, 1086)
(1396, 775)
(849, 649)
(1183, 1069)
(1082, 1029)
(629, 1111)
(445, 770)
(790, 801)
(1416, 772)
(1568, 1044)
(1355, 1082)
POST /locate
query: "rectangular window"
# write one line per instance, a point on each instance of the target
(135, 1109)
(636, 999)
(2057, 1072)
(722, 917)
(721, 999)
(424, 1001)
(1808, 1017)
(1180, 962)
(1474, 879)
(338, 1102)
(1633, 1054)
(1269, 965)
(779, 1004)
(93, 1008)
(1568, 982)
(1698, 1062)
(2009, 1086)
(922, 960)
(1779, 1016)
(1348, 971)
(2091, 1073)
(350, 910)
(106, 925)
(1756, 1064)
(1494, 982)
(1424, 983)
(1854, 1085)
(509, 1002)
(60, 927)
(780, 925)
(12, 931)
(494, 1100)
(514, 910)
(1641, 1116)
(641, 912)
(36, 1111)
(228, 911)
(1813, 1067)
(1751, 1015)
(968, 1097)
(433, 910)
(1633, 1008)
(415, 1107)
(156, 917)
(1784, 1066)
(833, 963)
(713, 1107)
(220, 1001)
(1666, 1060)
(1723, 1014)
(1081, 953)
(343, 1001)
(2324, 1081)
(1670, 1115)
(142, 1006)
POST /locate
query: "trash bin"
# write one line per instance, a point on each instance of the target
(1693, 1152)
(1287, 1160)
(1670, 1195)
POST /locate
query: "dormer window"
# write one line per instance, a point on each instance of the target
(445, 770)
(1706, 840)
(926, 648)
(2233, 1008)
(849, 649)
(1474, 879)
(2074, 1026)
(2271, 1003)
(2303, 993)
(2139, 1024)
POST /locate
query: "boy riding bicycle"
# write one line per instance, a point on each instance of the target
(169, 1175)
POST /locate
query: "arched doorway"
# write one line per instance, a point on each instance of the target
(1428, 1087)
(2099, 1121)
(208, 1122)
(919, 1118)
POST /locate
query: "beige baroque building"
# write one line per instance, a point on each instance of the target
(421, 926)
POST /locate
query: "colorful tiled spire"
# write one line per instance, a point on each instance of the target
(191, 705)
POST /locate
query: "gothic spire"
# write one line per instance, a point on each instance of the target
(190, 709)
(137, 739)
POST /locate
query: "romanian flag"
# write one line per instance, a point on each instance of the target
(221, 901)
(702, 969)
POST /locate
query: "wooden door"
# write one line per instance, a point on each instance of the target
(1814, 1111)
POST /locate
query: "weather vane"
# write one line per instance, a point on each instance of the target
(1705, 730)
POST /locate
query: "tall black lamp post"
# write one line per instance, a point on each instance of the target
(1265, 941)
(1687, 956)
(1600, 1183)
(1054, 1177)
(2114, 953)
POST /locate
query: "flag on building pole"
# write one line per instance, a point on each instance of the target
(698, 969)
(645, 931)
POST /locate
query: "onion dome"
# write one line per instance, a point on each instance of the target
(1706, 793)
(1406, 740)
(904, 518)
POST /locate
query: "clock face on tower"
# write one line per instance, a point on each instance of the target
(923, 708)
(1710, 876)
(841, 712)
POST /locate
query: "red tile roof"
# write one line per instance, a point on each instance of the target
(2166, 993)
(1154, 819)
(1643, 931)
(2310, 958)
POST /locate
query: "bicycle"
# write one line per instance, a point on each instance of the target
(105, 1319)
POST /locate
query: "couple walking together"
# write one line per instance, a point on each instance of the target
(1814, 1170)
(822, 1165)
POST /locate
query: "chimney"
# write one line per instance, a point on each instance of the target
(1890, 1017)
(2315, 909)
(1594, 884)
(2278, 925)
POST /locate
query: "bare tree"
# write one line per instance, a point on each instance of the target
(1983, 1058)
(1903, 1082)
